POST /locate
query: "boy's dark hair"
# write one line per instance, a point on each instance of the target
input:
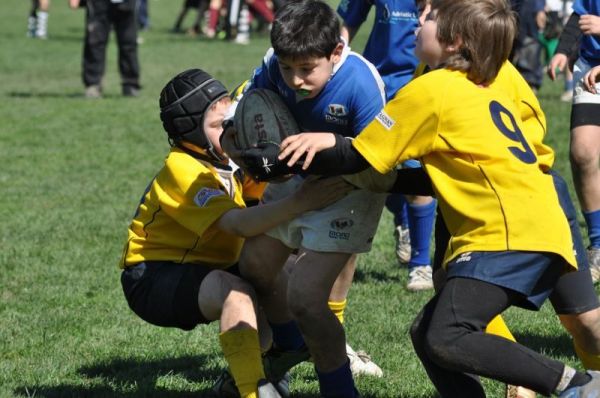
(487, 29)
(183, 102)
(305, 28)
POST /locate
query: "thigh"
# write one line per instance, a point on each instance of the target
(97, 21)
(125, 25)
(263, 257)
(465, 303)
(585, 138)
(314, 273)
(574, 293)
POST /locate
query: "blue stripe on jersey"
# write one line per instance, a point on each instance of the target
(349, 101)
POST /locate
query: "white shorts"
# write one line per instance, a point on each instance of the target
(346, 226)
(580, 94)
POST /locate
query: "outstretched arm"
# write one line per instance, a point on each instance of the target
(314, 194)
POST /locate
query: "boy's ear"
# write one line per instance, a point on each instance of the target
(336, 54)
(455, 46)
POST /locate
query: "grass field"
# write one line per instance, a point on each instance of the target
(72, 173)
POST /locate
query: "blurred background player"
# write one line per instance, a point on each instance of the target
(584, 27)
(180, 260)
(390, 48)
(37, 22)
(200, 6)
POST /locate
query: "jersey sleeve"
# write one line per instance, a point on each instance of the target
(354, 12)
(193, 199)
(405, 129)
(366, 109)
(580, 7)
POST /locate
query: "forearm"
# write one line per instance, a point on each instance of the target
(570, 37)
(259, 219)
(343, 158)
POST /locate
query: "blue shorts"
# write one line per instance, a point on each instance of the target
(533, 274)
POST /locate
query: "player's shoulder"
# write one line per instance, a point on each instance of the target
(183, 170)
(360, 74)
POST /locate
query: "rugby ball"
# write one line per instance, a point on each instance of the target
(262, 116)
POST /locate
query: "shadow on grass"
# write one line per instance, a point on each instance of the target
(41, 95)
(130, 378)
(368, 275)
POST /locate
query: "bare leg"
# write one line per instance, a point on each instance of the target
(309, 287)
(585, 152)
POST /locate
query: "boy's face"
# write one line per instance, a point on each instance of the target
(308, 76)
(213, 120)
(428, 47)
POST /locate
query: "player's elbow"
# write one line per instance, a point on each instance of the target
(231, 222)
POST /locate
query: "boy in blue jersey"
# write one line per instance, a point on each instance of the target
(390, 48)
(449, 336)
(584, 26)
(327, 88)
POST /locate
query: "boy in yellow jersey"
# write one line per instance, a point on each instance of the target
(180, 260)
(510, 240)
(574, 298)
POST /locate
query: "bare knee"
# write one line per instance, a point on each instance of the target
(306, 303)
(584, 327)
(252, 269)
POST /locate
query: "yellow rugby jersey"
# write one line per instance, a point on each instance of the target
(174, 221)
(510, 81)
(487, 178)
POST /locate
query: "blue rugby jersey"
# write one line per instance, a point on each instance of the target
(590, 44)
(391, 44)
(351, 98)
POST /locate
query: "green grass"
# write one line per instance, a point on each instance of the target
(72, 173)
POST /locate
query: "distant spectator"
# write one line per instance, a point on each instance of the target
(101, 15)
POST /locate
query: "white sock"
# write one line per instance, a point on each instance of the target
(565, 379)
(42, 24)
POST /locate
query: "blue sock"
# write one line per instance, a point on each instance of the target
(420, 221)
(404, 214)
(592, 219)
(338, 383)
(569, 85)
(287, 336)
(396, 204)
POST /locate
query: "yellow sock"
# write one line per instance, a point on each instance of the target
(338, 307)
(589, 361)
(242, 352)
(499, 328)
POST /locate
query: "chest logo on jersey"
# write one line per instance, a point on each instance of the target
(396, 16)
(385, 120)
(206, 194)
(336, 114)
